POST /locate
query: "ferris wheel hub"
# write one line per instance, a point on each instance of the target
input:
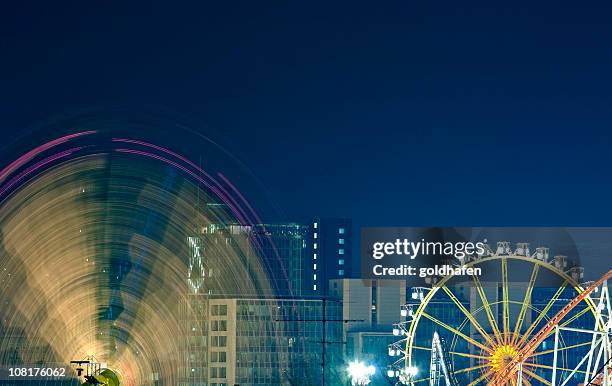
(502, 356)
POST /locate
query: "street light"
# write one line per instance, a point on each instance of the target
(360, 373)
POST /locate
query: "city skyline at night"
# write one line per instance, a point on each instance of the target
(305, 194)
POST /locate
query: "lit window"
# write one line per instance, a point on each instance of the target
(341, 272)
(219, 341)
(315, 246)
(315, 235)
(314, 277)
(314, 256)
(340, 241)
(314, 287)
(315, 225)
(341, 251)
(219, 310)
(341, 231)
(315, 267)
(341, 262)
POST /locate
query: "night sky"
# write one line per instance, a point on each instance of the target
(398, 114)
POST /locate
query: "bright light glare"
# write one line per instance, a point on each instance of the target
(360, 373)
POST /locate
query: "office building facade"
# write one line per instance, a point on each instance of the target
(253, 341)
(239, 260)
(330, 252)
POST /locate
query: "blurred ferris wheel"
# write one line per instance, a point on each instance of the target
(529, 322)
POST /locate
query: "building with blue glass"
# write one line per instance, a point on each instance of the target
(330, 253)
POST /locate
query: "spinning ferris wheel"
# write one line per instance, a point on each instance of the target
(531, 324)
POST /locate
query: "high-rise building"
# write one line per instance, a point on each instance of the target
(291, 259)
(330, 253)
(238, 260)
(221, 260)
(244, 320)
(193, 312)
(283, 251)
(255, 341)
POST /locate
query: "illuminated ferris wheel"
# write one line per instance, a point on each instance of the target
(529, 322)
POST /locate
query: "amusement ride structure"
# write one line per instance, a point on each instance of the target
(94, 374)
(534, 324)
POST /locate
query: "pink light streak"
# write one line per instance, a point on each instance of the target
(246, 219)
(194, 175)
(36, 166)
(19, 162)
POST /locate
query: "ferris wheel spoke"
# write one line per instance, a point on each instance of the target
(543, 313)
(550, 367)
(462, 354)
(468, 369)
(536, 376)
(564, 324)
(526, 382)
(457, 332)
(511, 322)
(479, 379)
(487, 308)
(419, 380)
(468, 315)
(505, 308)
(578, 314)
(560, 349)
(526, 302)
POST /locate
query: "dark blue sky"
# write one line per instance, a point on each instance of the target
(401, 113)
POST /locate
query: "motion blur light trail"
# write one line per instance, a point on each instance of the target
(93, 253)
(36, 151)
